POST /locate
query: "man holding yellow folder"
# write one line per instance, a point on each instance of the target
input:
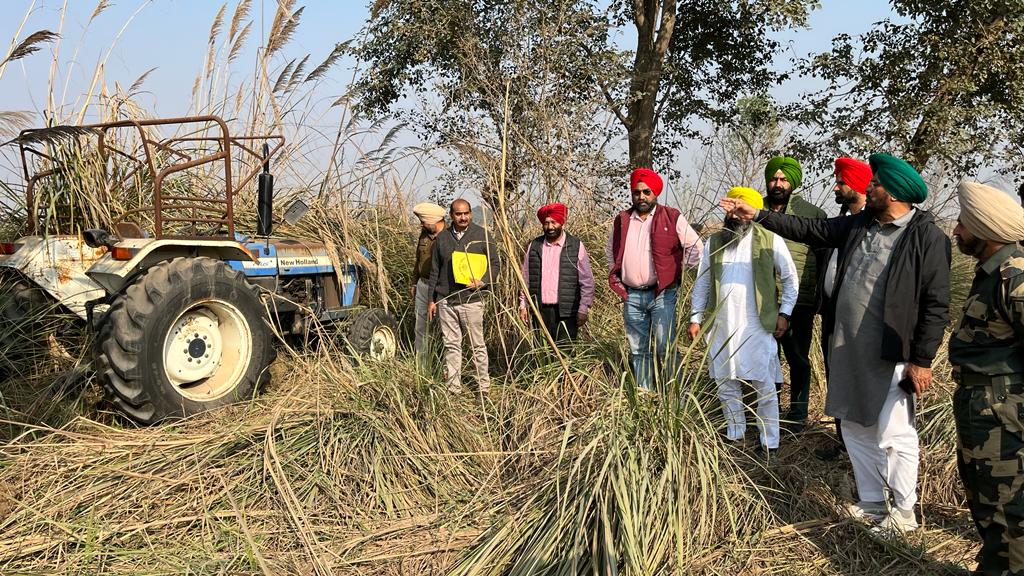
(463, 264)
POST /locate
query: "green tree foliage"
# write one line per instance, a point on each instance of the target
(693, 58)
(472, 64)
(943, 86)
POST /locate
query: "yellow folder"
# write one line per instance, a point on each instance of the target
(467, 266)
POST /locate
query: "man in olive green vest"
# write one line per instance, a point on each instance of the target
(736, 290)
(782, 176)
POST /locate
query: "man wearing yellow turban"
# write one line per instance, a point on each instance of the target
(888, 318)
(987, 354)
(736, 290)
(783, 175)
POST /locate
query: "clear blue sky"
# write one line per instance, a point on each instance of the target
(170, 35)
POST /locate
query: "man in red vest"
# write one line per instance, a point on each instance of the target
(647, 250)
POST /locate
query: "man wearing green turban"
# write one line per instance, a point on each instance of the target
(899, 179)
(887, 318)
(782, 175)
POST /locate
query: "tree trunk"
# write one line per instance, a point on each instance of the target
(654, 20)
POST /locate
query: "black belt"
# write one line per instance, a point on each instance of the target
(976, 380)
(647, 288)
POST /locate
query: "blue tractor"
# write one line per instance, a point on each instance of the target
(185, 309)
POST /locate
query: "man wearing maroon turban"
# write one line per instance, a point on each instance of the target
(558, 276)
(647, 250)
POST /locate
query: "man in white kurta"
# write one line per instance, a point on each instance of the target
(741, 348)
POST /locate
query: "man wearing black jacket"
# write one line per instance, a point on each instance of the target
(887, 322)
(456, 288)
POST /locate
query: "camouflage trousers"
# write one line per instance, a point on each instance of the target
(990, 458)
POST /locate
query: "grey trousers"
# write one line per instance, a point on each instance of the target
(422, 342)
(456, 319)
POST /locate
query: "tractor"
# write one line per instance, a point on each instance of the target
(133, 233)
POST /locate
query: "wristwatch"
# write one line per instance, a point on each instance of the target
(784, 315)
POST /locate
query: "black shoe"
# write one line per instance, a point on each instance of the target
(769, 453)
(830, 453)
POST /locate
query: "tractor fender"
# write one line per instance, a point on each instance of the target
(114, 275)
(57, 264)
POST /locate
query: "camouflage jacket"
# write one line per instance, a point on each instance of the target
(990, 337)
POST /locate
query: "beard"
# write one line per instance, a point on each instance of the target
(643, 207)
(846, 199)
(738, 227)
(779, 194)
(553, 233)
(972, 247)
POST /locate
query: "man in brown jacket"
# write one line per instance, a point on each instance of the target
(431, 218)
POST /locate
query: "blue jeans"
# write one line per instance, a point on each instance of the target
(645, 316)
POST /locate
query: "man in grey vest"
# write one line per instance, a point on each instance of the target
(558, 277)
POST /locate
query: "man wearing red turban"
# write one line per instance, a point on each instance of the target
(647, 250)
(852, 178)
(558, 276)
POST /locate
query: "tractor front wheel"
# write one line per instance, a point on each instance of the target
(188, 336)
(373, 334)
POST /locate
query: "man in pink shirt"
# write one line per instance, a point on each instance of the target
(647, 251)
(559, 280)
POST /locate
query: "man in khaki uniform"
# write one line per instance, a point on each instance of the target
(431, 217)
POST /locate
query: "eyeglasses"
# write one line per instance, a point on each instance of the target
(641, 191)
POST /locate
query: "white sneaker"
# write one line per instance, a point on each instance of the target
(870, 511)
(897, 522)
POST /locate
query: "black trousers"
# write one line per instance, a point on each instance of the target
(562, 328)
(796, 345)
(824, 354)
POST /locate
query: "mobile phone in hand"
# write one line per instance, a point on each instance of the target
(907, 385)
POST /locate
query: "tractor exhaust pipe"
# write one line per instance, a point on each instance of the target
(265, 197)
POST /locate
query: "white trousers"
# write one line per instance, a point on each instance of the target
(730, 392)
(885, 456)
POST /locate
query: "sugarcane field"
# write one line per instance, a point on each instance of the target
(508, 288)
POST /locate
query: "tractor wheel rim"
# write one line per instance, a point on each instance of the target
(207, 350)
(382, 343)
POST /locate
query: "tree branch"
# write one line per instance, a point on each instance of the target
(612, 105)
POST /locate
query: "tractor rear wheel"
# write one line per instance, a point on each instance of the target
(373, 333)
(188, 336)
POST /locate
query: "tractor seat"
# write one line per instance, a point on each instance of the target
(130, 230)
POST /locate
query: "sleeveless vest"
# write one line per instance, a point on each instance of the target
(762, 259)
(568, 274)
(665, 249)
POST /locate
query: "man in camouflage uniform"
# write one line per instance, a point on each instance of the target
(987, 353)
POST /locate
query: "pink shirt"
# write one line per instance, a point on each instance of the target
(637, 259)
(550, 254)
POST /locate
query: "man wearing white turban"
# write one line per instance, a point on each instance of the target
(987, 354)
